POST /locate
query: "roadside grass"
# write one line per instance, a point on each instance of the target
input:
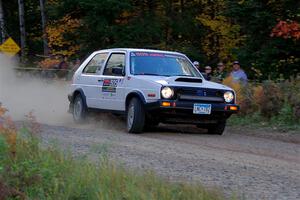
(35, 172)
(282, 123)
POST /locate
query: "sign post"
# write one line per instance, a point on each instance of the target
(10, 47)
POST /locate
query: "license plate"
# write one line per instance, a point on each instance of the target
(202, 109)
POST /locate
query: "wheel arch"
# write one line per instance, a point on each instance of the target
(136, 94)
(79, 92)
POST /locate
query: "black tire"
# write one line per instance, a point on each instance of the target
(135, 116)
(79, 109)
(217, 129)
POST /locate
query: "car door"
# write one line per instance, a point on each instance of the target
(112, 89)
(91, 79)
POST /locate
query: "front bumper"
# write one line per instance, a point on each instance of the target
(182, 112)
(189, 106)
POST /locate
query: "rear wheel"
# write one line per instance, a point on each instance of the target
(79, 109)
(217, 129)
(135, 116)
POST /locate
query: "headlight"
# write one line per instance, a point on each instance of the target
(167, 92)
(228, 96)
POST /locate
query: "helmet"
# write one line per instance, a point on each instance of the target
(196, 63)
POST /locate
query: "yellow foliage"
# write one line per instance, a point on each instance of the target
(9, 130)
(222, 35)
(56, 33)
(258, 93)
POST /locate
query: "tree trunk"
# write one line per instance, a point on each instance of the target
(43, 16)
(22, 29)
(2, 23)
(181, 6)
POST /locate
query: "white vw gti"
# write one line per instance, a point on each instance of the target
(149, 87)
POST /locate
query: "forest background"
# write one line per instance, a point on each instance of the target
(262, 34)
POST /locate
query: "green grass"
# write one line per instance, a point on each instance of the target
(282, 122)
(47, 173)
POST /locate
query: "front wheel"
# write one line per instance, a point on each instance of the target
(135, 116)
(217, 129)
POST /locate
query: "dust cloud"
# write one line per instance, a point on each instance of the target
(21, 95)
(47, 99)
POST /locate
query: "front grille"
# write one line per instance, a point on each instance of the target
(201, 98)
(200, 94)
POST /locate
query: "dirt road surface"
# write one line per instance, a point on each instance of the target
(249, 165)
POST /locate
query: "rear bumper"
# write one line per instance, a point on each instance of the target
(182, 112)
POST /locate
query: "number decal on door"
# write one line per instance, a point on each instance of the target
(110, 85)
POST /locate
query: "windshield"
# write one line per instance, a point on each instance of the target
(161, 64)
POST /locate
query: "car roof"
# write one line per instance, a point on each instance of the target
(142, 50)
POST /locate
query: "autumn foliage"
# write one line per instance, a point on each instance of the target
(269, 99)
(62, 36)
(8, 130)
(286, 29)
(48, 63)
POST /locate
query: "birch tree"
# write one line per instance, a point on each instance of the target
(22, 29)
(2, 23)
(43, 17)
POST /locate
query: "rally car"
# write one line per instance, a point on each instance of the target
(149, 87)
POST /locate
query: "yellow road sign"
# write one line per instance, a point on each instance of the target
(10, 47)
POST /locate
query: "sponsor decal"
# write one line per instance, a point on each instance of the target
(110, 85)
(145, 54)
(148, 54)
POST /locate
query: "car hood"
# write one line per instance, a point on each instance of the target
(171, 81)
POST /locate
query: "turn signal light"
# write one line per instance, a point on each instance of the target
(166, 104)
(233, 108)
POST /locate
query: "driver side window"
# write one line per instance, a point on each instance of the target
(115, 65)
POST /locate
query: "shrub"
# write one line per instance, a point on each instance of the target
(272, 100)
(244, 96)
(292, 91)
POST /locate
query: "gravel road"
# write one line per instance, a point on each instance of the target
(249, 165)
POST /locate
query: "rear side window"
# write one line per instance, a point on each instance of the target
(115, 65)
(96, 64)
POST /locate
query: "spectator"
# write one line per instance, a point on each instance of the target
(73, 67)
(63, 63)
(208, 73)
(76, 65)
(221, 74)
(237, 74)
(62, 67)
(197, 65)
